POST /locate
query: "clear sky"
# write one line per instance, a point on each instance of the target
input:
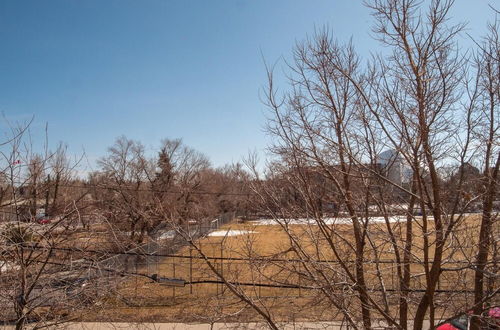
(152, 69)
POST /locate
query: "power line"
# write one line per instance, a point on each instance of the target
(256, 259)
(183, 283)
(193, 192)
(293, 286)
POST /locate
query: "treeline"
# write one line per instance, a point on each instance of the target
(130, 189)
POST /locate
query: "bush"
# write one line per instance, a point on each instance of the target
(17, 234)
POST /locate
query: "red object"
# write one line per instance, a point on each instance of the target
(44, 221)
(494, 313)
(446, 326)
(16, 162)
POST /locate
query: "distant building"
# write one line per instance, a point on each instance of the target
(394, 167)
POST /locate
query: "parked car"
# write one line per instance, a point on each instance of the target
(459, 323)
(462, 322)
(44, 220)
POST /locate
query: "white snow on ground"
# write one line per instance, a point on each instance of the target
(230, 232)
(167, 235)
(328, 221)
(8, 266)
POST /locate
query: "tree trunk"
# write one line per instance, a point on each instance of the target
(484, 244)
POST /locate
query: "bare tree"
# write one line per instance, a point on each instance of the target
(367, 145)
(40, 284)
(149, 191)
(125, 173)
(487, 135)
(187, 167)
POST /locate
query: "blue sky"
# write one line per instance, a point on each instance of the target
(96, 69)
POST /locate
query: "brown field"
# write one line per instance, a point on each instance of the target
(141, 299)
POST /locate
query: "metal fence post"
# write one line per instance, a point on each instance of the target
(173, 287)
(222, 267)
(300, 284)
(260, 286)
(392, 275)
(136, 281)
(191, 270)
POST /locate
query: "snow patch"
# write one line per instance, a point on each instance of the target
(328, 221)
(230, 232)
(167, 235)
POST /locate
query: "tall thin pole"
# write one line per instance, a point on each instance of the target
(173, 287)
(47, 193)
(191, 270)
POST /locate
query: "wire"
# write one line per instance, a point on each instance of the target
(118, 188)
(257, 259)
(160, 280)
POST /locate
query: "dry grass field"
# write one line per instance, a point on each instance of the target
(141, 299)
